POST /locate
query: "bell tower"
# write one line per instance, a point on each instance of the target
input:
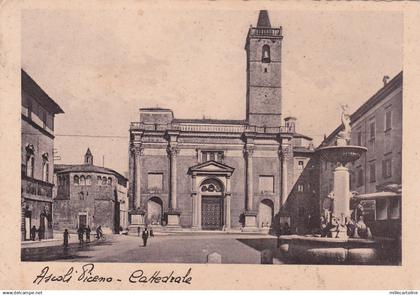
(88, 157)
(263, 50)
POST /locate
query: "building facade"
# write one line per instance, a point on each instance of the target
(37, 159)
(221, 174)
(89, 195)
(375, 178)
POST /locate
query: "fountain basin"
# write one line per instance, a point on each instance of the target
(317, 250)
(341, 154)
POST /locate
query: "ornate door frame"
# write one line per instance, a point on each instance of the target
(208, 172)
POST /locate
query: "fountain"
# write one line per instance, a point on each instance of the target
(341, 154)
(339, 248)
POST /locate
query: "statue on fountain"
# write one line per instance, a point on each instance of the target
(343, 137)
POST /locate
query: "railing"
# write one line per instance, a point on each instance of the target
(36, 187)
(151, 127)
(211, 128)
(266, 32)
(281, 129)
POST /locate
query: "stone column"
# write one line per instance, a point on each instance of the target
(199, 209)
(285, 149)
(173, 151)
(137, 216)
(173, 213)
(194, 202)
(131, 177)
(341, 198)
(228, 199)
(249, 178)
(249, 214)
(138, 153)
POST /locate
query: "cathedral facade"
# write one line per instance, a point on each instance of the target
(208, 174)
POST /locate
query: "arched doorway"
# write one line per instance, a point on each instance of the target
(212, 205)
(154, 211)
(265, 213)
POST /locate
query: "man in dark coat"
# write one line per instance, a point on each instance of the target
(41, 233)
(145, 236)
(80, 232)
(66, 238)
(33, 233)
(88, 234)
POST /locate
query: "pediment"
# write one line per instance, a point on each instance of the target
(211, 167)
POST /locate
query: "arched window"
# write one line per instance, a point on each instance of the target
(266, 53)
(76, 180)
(109, 180)
(30, 160)
(103, 180)
(82, 180)
(88, 180)
(45, 167)
(99, 180)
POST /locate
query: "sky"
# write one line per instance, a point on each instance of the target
(101, 66)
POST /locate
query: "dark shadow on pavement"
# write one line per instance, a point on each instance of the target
(51, 253)
(266, 243)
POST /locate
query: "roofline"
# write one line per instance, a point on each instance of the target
(299, 135)
(206, 121)
(380, 95)
(69, 166)
(157, 109)
(25, 79)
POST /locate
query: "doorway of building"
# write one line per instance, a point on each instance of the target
(154, 211)
(82, 220)
(212, 213)
(265, 213)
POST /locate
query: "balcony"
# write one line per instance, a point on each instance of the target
(265, 32)
(218, 128)
(34, 188)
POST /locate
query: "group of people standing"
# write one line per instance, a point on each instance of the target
(355, 229)
(81, 232)
(40, 231)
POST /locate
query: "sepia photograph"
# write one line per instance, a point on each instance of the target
(211, 136)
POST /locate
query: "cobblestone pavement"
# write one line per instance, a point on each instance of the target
(179, 248)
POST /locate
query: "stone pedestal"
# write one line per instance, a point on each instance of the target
(173, 220)
(341, 199)
(137, 221)
(250, 222)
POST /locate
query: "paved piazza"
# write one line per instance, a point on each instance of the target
(174, 248)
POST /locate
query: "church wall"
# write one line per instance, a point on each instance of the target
(237, 188)
(96, 202)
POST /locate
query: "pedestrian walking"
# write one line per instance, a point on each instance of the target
(286, 229)
(66, 236)
(145, 236)
(80, 232)
(151, 233)
(88, 234)
(40, 233)
(33, 233)
(99, 232)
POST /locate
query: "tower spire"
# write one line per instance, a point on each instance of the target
(263, 20)
(88, 157)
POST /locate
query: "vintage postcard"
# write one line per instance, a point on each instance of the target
(209, 145)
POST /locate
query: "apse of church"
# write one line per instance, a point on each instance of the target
(209, 174)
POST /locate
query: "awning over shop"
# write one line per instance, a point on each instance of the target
(377, 195)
